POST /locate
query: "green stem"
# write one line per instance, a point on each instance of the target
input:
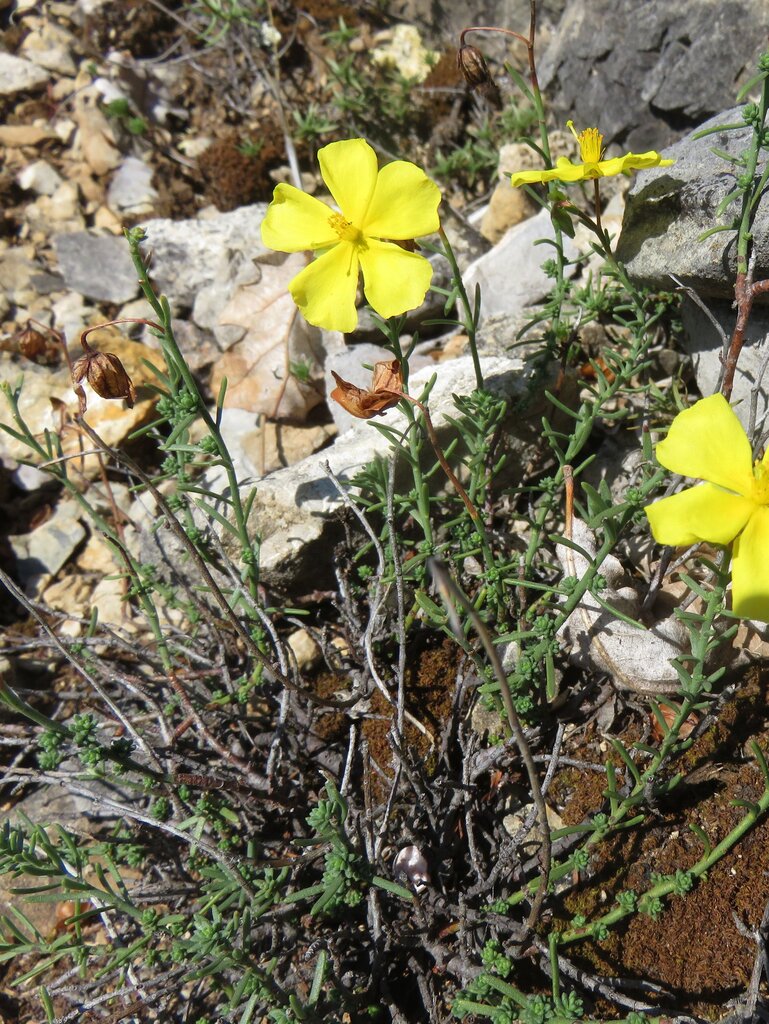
(472, 311)
(175, 358)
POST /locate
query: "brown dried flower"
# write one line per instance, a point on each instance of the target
(386, 391)
(475, 71)
(105, 374)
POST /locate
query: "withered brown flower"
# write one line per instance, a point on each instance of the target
(105, 374)
(386, 391)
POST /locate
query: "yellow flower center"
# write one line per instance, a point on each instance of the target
(347, 232)
(590, 143)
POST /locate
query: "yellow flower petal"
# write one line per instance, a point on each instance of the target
(704, 512)
(349, 169)
(404, 204)
(750, 568)
(295, 221)
(637, 161)
(394, 279)
(707, 441)
(564, 170)
(325, 290)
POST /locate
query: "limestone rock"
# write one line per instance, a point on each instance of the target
(98, 266)
(508, 206)
(669, 208)
(18, 135)
(189, 256)
(40, 177)
(131, 190)
(704, 344)
(50, 46)
(95, 138)
(40, 554)
(19, 75)
(644, 72)
(510, 275)
(275, 338)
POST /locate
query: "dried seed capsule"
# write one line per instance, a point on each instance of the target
(105, 374)
(472, 64)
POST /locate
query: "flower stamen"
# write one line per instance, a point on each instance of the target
(347, 232)
(590, 143)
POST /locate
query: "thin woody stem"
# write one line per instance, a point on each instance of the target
(490, 28)
(449, 589)
(743, 294)
(472, 510)
(111, 323)
(528, 42)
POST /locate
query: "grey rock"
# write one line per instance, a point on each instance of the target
(644, 72)
(41, 553)
(703, 342)
(18, 75)
(131, 189)
(97, 266)
(669, 208)
(510, 275)
(191, 255)
(45, 284)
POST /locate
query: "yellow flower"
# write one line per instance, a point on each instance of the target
(707, 442)
(592, 166)
(399, 202)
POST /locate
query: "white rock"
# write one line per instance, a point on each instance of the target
(190, 255)
(40, 177)
(19, 75)
(50, 47)
(510, 275)
(65, 128)
(29, 478)
(131, 189)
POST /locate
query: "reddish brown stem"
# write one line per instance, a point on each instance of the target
(568, 482)
(743, 293)
(111, 323)
(528, 43)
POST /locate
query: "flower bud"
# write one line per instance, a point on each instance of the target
(105, 374)
(472, 64)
